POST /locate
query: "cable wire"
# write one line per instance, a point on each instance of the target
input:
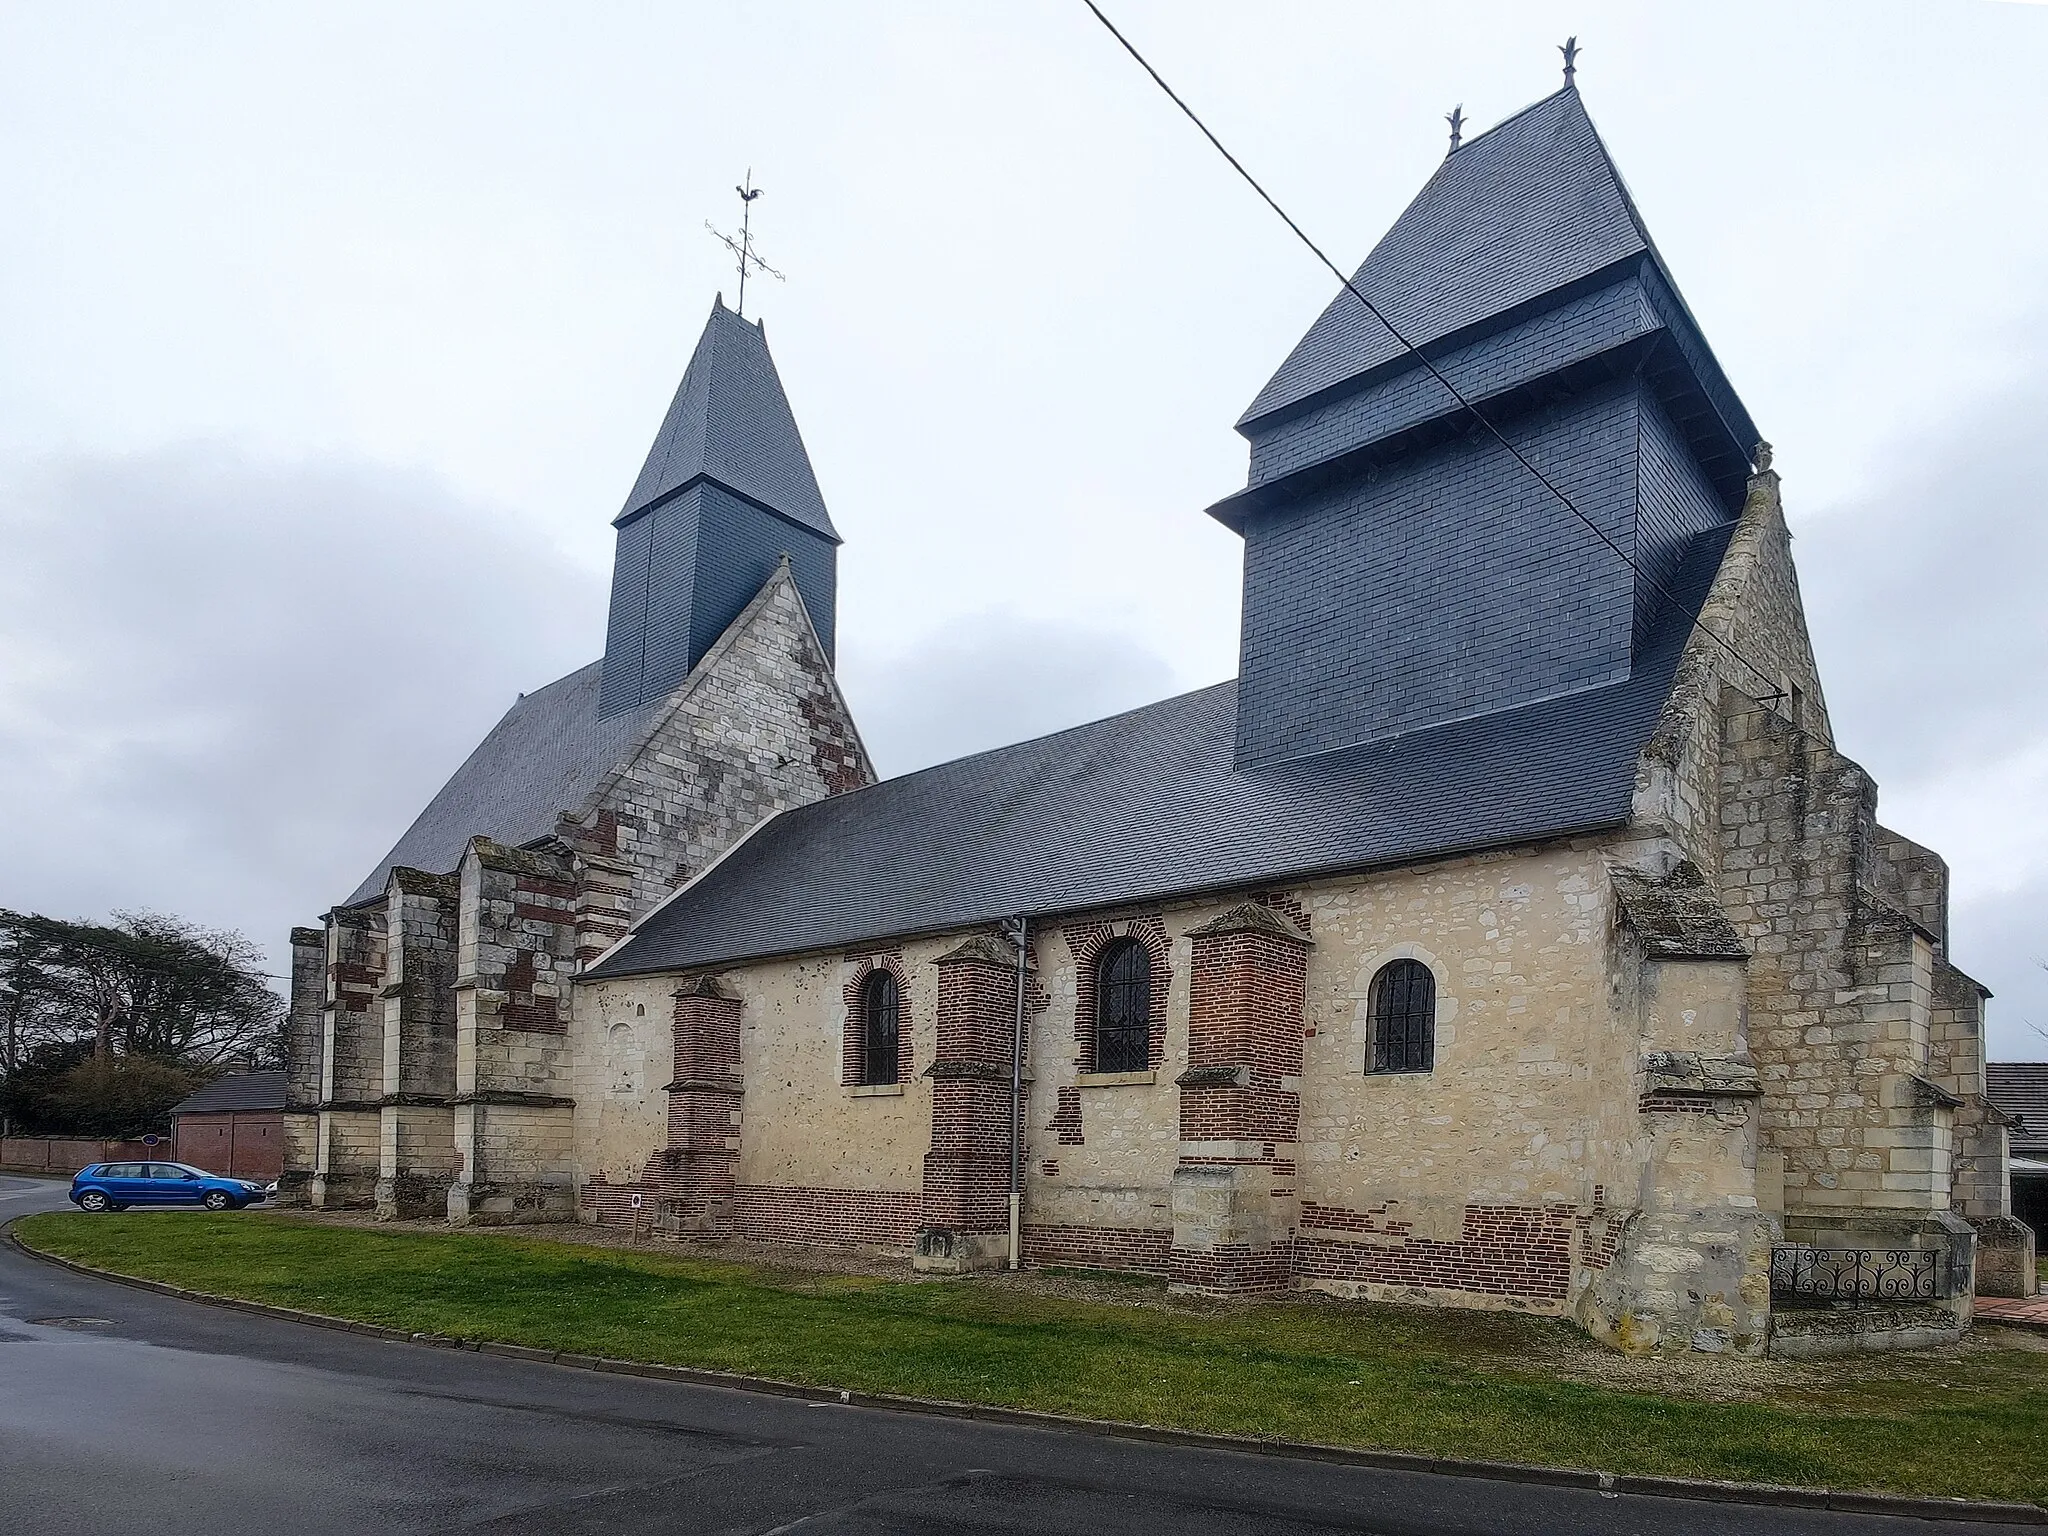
(1417, 353)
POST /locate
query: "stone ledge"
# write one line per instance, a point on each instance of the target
(1215, 1077)
(968, 1071)
(1116, 1079)
(874, 1090)
(516, 1098)
(1688, 1074)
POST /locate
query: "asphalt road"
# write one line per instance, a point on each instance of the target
(126, 1412)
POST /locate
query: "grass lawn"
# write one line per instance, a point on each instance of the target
(1970, 1421)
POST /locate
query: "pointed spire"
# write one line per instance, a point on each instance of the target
(1570, 50)
(1456, 118)
(727, 492)
(1526, 207)
(730, 422)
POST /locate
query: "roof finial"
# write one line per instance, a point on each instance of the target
(743, 246)
(1570, 50)
(1456, 118)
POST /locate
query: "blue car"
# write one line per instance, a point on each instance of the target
(115, 1186)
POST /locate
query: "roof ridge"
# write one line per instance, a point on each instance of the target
(1486, 133)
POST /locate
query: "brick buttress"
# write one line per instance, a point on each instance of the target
(1234, 1198)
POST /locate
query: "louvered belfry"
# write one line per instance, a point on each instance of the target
(1402, 570)
(726, 491)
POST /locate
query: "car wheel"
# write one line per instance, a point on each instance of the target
(93, 1200)
(218, 1200)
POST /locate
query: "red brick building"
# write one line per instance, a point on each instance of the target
(234, 1125)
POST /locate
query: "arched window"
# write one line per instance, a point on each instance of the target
(1123, 1007)
(1403, 1018)
(880, 1017)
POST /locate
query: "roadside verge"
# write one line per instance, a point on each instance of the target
(1607, 1482)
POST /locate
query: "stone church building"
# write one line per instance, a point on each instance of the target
(1509, 933)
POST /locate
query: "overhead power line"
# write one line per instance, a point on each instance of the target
(1417, 353)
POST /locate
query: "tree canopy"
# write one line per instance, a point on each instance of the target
(103, 1026)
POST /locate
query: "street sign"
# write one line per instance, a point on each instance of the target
(636, 1202)
(152, 1141)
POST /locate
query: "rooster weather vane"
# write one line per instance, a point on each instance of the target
(742, 245)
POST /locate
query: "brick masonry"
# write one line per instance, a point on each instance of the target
(1085, 942)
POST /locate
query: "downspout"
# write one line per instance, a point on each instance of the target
(1020, 935)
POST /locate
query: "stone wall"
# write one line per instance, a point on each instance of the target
(817, 1159)
(1846, 921)
(465, 1061)
(759, 726)
(1486, 1180)
(1496, 1180)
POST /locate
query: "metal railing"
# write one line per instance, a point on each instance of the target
(1817, 1275)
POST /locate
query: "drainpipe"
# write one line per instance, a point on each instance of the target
(1020, 935)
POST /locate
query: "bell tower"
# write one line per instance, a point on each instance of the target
(1402, 569)
(726, 492)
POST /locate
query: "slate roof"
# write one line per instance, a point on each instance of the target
(1150, 804)
(730, 422)
(2021, 1088)
(241, 1090)
(1532, 205)
(546, 754)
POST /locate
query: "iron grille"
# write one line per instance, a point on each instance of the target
(1803, 1274)
(1404, 1018)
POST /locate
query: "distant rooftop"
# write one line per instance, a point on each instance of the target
(2021, 1088)
(239, 1090)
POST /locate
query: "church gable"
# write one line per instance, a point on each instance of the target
(1750, 647)
(759, 726)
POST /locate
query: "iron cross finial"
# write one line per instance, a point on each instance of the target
(1570, 50)
(742, 248)
(1456, 118)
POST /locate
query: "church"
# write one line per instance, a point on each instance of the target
(1509, 933)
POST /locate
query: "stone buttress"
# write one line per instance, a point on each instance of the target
(436, 1064)
(416, 1154)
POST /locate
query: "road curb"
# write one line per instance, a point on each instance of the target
(1769, 1494)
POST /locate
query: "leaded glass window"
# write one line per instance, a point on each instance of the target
(1403, 1018)
(881, 1012)
(1123, 1008)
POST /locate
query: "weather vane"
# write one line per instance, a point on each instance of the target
(1570, 50)
(742, 247)
(1456, 118)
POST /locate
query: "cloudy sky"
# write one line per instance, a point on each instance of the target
(331, 338)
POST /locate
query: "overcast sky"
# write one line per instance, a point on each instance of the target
(331, 338)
